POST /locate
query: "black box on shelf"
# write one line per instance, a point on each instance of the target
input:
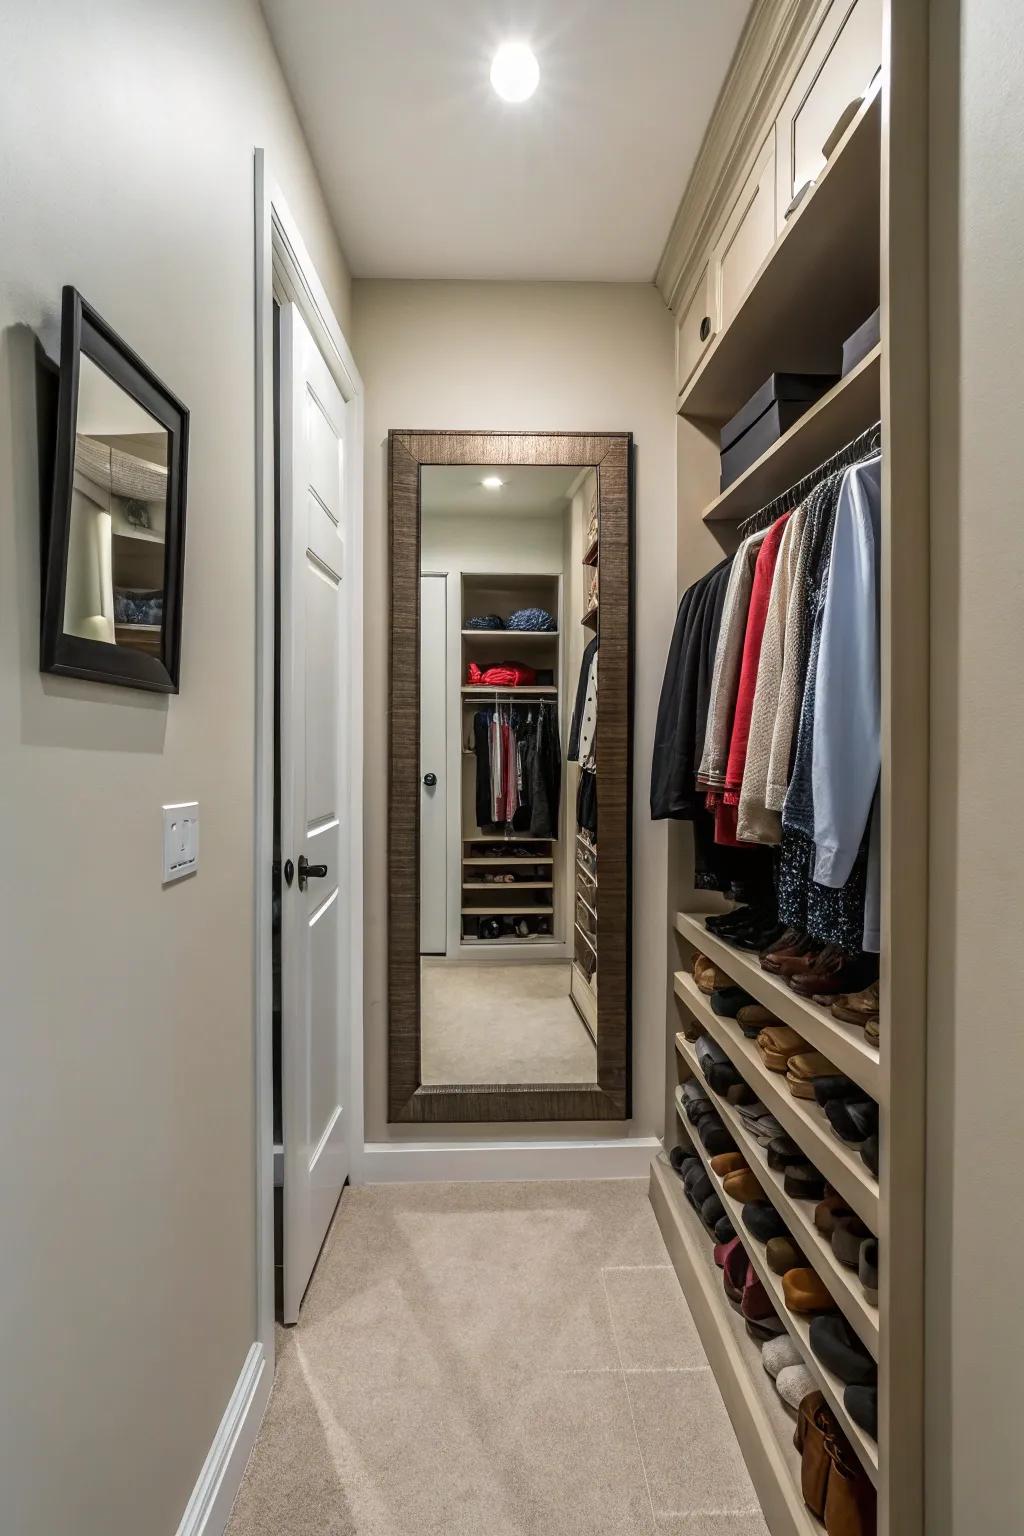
(771, 410)
(857, 346)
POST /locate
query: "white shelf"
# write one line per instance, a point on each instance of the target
(516, 885)
(494, 840)
(507, 911)
(510, 634)
(798, 1328)
(849, 408)
(842, 1283)
(803, 1119)
(763, 1424)
(524, 691)
(512, 859)
(843, 1044)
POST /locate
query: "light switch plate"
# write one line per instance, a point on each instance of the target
(181, 840)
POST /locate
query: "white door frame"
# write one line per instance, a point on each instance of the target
(283, 265)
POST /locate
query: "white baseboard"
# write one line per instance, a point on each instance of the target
(214, 1494)
(417, 1162)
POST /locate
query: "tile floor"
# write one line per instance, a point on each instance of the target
(508, 1359)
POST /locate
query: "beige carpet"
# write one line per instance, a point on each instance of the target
(495, 1360)
(502, 1024)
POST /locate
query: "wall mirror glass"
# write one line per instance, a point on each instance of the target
(510, 742)
(112, 601)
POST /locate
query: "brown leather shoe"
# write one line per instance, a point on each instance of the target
(742, 1186)
(799, 944)
(782, 1254)
(833, 972)
(802, 1069)
(850, 1505)
(708, 977)
(857, 1007)
(788, 966)
(728, 1162)
(777, 1043)
(804, 1292)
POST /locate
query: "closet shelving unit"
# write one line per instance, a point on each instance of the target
(857, 239)
(535, 893)
(583, 978)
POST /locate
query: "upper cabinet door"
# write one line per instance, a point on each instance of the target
(845, 53)
(698, 323)
(747, 236)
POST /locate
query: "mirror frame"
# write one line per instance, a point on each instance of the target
(609, 1098)
(84, 332)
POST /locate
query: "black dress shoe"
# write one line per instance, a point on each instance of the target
(836, 1087)
(854, 1120)
(783, 1153)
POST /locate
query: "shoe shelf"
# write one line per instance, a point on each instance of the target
(507, 911)
(843, 1044)
(763, 1424)
(797, 1326)
(803, 1119)
(842, 1283)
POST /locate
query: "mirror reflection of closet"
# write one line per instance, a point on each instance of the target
(509, 938)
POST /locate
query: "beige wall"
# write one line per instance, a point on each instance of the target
(572, 356)
(126, 1108)
(976, 1040)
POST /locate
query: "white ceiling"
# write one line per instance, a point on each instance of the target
(530, 490)
(429, 174)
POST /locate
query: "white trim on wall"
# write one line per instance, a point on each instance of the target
(425, 1162)
(207, 1511)
(283, 265)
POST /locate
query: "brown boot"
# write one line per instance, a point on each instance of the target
(850, 1505)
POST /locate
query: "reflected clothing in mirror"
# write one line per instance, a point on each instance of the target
(518, 768)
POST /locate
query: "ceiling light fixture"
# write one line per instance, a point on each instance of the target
(515, 71)
(492, 482)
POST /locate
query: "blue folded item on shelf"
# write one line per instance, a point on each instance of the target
(486, 621)
(531, 619)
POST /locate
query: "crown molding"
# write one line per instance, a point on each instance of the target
(767, 57)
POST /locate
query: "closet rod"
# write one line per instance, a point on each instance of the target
(862, 446)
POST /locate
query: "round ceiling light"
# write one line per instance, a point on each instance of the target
(515, 71)
(492, 482)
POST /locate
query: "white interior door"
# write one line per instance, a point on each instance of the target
(433, 764)
(315, 962)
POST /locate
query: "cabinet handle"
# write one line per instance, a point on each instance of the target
(705, 328)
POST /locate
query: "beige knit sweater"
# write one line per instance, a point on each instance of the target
(755, 822)
(725, 677)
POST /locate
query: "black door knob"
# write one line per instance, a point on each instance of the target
(430, 779)
(308, 871)
(705, 328)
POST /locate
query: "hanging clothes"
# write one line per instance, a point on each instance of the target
(573, 753)
(679, 725)
(727, 806)
(755, 823)
(728, 656)
(588, 728)
(544, 772)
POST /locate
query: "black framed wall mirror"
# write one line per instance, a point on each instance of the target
(115, 545)
(510, 776)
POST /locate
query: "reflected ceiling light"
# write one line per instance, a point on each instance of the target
(492, 482)
(515, 71)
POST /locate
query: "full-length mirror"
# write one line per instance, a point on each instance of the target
(509, 822)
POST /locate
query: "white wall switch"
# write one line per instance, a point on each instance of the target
(181, 840)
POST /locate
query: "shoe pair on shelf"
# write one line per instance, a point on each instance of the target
(839, 1349)
(835, 1487)
(753, 927)
(819, 971)
(852, 1242)
(785, 1365)
(734, 1003)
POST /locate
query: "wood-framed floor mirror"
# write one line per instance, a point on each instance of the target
(510, 762)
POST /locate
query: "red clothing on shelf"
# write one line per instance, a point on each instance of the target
(726, 804)
(505, 674)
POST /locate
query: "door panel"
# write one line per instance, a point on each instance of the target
(846, 51)
(698, 325)
(315, 960)
(749, 234)
(433, 759)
